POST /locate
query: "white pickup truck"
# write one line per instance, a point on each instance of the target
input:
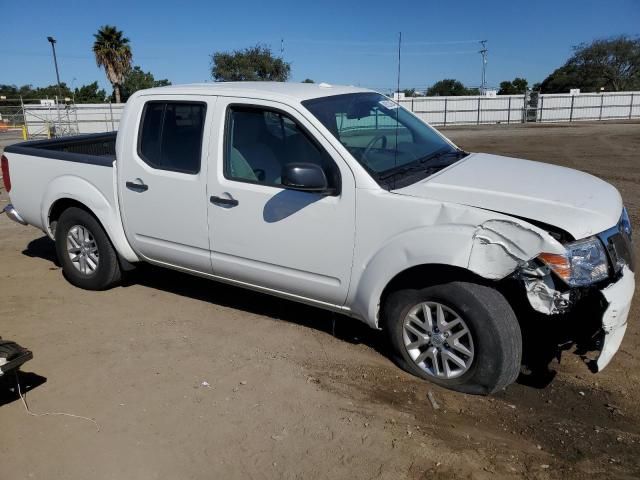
(339, 198)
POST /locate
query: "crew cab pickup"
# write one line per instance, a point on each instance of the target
(339, 198)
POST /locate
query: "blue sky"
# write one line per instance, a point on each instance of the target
(337, 42)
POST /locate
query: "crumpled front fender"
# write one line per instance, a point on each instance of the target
(493, 249)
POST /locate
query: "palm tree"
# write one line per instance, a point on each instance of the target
(113, 53)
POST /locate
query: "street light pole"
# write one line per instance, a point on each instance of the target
(52, 41)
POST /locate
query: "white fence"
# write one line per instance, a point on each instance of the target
(588, 106)
(43, 120)
(518, 108)
(69, 119)
(468, 110)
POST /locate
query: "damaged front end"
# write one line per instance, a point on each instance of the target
(542, 292)
(592, 280)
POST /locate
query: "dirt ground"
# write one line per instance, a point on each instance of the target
(191, 379)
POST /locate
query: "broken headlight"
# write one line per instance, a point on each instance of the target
(585, 262)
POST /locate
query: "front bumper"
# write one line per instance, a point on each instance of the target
(13, 214)
(614, 320)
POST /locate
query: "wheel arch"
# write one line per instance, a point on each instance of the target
(483, 252)
(68, 191)
(426, 275)
(59, 206)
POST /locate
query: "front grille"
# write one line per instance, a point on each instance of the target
(617, 241)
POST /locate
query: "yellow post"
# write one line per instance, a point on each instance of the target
(24, 132)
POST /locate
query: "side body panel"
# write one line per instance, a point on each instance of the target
(167, 223)
(290, 241)
(38, 183)
(397, 232)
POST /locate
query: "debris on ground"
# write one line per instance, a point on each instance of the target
(433, 401)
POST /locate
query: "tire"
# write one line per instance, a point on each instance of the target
(100, 269)
(491, 348)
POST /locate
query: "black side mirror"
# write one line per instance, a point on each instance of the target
(306, 177)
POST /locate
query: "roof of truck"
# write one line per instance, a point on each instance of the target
(262, 90)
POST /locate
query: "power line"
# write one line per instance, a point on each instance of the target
(23, 53)
(410, 54)
(379, 43)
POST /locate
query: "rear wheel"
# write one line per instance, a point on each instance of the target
(460, 335)
(85, 252)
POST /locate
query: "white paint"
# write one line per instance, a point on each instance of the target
(577, 202)
(501, 246)
(614, 320)
(297, 242)
(168, 222)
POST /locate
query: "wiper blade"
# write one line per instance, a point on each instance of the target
(403, 170)
(448, 153)
(420, 165)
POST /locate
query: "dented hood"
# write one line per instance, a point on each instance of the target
(574, 201)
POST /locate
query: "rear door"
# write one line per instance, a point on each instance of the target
(263, 233)
(163, 182)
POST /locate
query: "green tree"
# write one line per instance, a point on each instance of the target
(89, 94)
(113, 53)
(137, 79)
(450, 87)
(520, 84)
(410, 92)
(308, 80)
(51, 91)
(254, 63)
(612, 63)
(513, 87)
(11, 91)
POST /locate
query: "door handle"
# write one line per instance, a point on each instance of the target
(226, 202)
(137, 186)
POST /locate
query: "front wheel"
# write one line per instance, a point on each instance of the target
(85, 252)
(460, 335)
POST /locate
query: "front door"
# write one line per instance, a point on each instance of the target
(163, 183)
(263, 233)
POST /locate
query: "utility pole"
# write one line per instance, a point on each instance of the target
(399, 58)
(483, 52)
(52, 41)
(282, 48)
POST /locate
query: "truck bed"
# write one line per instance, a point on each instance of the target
(43, 170)
(95, 148)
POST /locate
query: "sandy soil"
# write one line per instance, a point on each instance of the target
(291, 391)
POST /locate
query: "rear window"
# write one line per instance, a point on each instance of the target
(171, 136)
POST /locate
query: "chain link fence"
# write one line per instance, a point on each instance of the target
(47, 118)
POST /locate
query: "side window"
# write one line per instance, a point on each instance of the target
(171, 136)
(260, 142)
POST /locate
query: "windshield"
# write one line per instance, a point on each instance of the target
(388, 141)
